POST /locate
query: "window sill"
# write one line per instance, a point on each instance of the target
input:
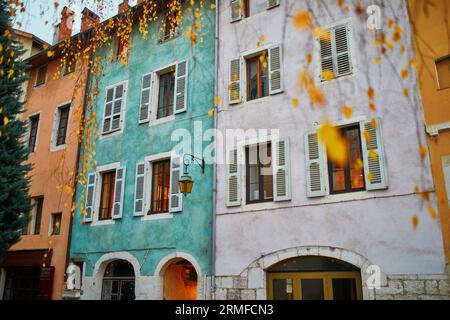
(39, 86)
(162, 120)
(58, 148)
(331, 81)
(159, 216)
(102, 223)
(110, 134)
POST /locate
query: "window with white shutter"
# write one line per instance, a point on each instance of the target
(181, 86)
(317, 184)
(335, 51)
(146, 94)
(233, 179)
(114, 105)
(236, 10)
(139, 193)
(90, 198)
(373, 155)
(247, 8)
(234, 87)
(119, 193)
(281, 169)
(176, 198)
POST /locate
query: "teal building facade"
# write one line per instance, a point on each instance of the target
(138, 236)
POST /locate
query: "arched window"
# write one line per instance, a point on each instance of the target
(118, 281)
(314, 278)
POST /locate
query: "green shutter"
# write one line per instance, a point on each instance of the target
(374, 167)
(316, 169)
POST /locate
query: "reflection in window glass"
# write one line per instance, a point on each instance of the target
(283, 289)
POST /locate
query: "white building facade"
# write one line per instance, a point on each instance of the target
(310, 228)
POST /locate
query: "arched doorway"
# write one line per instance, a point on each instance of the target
(118, 281)
(180, 281)
(314, 278)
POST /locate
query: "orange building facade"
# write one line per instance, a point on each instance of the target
(432, 44)
(34, 268)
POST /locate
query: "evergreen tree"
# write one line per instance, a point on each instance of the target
(14, 200)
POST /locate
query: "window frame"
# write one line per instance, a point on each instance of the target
(166, 165)
(35, 222)
(122, 111)
(347, 174)
(154, 101)
(259, 65)
(52, 224)
(447, 57)
(36, 84)
(353, 59)
(162, 36)
(261, 177)
(110, 196)
(29, 127)
(65, 72)
(56, 126)
(170, 73)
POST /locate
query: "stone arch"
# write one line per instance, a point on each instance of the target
(167, 261)
(105, 260)
(258, 268)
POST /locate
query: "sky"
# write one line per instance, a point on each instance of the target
(40, 16)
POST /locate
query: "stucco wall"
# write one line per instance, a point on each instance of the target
(190, 230)
(376, 225)
(52, 168)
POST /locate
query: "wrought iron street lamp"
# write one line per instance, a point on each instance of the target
(186, 183)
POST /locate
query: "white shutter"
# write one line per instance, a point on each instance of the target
(373, 157)
(236, 10)
(233, 179)
(90, 198)
(176, 198)
(326, 55)
(139, 191)
(272, 3)
(275, 70)
(118, 193)
(107, 116)
(234, 88)
(316, 169)
(281, 169)
(343, 57)
(181, 87)
(146, 93)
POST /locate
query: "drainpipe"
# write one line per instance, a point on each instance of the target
(216, 115)
(86, 92)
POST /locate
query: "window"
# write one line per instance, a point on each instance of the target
(69, 67)
(114, 104)
(63, 121)
(170, 25)
(257, 77)
(56, 224)
(107, 195)
(351, 177)
(39, 203)
(335, 52)
(443, 72)
(34, 125)
(256, 74)
(166, 94)
(121, 46)
(41, 76)
(259, 174)
(119, 281)
(246, 8)
(160, 187)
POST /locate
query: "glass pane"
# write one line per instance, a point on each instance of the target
(283, 289)
(107, 287)
(107, 195)
(253, 79)
(166, 94)
(257, 6)
(127, 290)
(344, 289)
(338, 178)
(312, 289)
(355, 156)
(264, 80)
(161, 186)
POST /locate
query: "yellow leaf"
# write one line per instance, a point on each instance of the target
(327, 75)
(347, 112)
(405, 73)
(217, 101)
(321, 34)
(295, 103)
(334, 143)
(432, 212)
(371, 93)
(302, 20)
(415, 222)
(406, 92)
(423, 151)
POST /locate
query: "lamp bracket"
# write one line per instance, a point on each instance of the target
(189, 158)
